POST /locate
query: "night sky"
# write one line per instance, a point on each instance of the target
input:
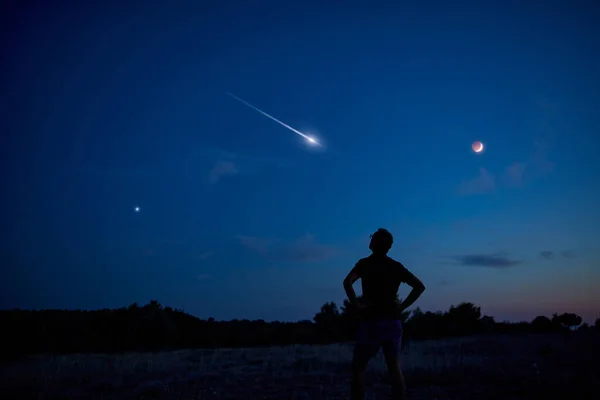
(107, 108)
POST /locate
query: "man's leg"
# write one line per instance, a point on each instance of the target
(392, 349)
(362, 355)
(392, 360)
(366, 347)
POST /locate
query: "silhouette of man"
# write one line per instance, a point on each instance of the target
(379, 311)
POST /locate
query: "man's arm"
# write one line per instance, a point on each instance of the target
(417, 290)
(352, 277)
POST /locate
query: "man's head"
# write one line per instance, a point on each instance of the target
(381, 241)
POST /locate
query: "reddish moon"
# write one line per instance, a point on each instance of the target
(477, 147)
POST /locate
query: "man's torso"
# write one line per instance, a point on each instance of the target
(381, 277)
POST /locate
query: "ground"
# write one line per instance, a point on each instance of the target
(490, 367)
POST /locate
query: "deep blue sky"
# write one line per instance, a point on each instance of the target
(104, 108)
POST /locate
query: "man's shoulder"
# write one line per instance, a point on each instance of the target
(366, 263)
(387, 259)
(395, 263)
(379, 260)
(363, 261)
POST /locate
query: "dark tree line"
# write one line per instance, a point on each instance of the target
(463, 319)
(153, 327)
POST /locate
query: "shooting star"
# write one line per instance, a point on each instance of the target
(310, 139)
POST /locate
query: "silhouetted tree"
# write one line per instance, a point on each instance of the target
(567, 320)
(425, 325)
(463, 319)
(543, 324)
(585, 326)
(488, 324)
(328, 322)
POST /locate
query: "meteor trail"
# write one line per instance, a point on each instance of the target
(310, 139)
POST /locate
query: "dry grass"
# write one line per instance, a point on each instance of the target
(471, 368)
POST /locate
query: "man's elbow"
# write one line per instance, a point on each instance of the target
(348, 283)
(420, 287)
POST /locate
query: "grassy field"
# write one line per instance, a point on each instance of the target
(491, 367)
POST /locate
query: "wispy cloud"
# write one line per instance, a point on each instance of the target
(221, 169)
(149, 252)
(302, 249)
(229, 163)
(486, 260)
(513, 174)
(553, 255)
(547, 255)
(256, 244)
(202, 277)
(538, 165)
(205, 255)
(568, 254)
(483, 183)
(206, 164)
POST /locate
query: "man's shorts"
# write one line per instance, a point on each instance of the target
(379, 333)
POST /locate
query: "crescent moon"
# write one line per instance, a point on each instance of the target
(477, 147)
